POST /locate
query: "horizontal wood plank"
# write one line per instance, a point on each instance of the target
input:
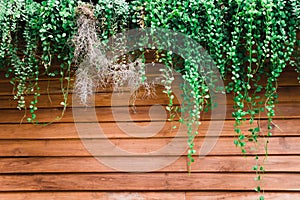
(213, 164)
(285, 94)
(147, 181)
(141, 147)
(141, 114)
(53, 85)
(147, 195)
(114, 130)
(93, 196)
(241, 195)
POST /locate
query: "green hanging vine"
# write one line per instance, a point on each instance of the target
(57, 27)
(248, 40)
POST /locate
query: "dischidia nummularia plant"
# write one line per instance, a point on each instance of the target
(32, 34)
(248, 40)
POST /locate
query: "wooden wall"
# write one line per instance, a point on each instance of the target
(50, 162)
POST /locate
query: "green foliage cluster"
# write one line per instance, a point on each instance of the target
(34, 35)
(113, 17)
(248, 41)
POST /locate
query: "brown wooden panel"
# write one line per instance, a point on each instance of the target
(224, 146)
(286, 94)
(47, 86)
(72, 165)
(111, 130)
(241, 195)
(104, 114)
(93, 196)
(282, 163)
(146, 195)
(53, 85)
(52, 162)
(147, 181)
(91, 164)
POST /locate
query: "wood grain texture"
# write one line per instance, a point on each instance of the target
(104, 114)
(146, 195)
(213, 164)
(241, 195)
(74, 147)
(112, 130)
(147, 181)
(53, 86)
(285, 94)
(93, 196)
(51, 162)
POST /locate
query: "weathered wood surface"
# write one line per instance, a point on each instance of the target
(88, 164)
(105, 114)
(70, 147)
(145, 181)
(146, 195)
(240, 195)
(51, 162)
(281, 127)
(286, 94)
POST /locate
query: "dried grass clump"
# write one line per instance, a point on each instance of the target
(129, 76)
(95, 69)
(86, 39)
(87, 54)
